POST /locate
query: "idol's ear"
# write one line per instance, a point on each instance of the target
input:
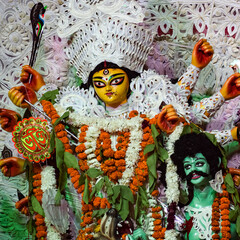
(219, 161)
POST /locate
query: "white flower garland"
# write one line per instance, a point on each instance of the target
(133, 125)
(172, 179)
(150, 228)
(52, 233)
(48, 180)
(172, 191)
(171, 234)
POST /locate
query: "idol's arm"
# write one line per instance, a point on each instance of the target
(201, 56)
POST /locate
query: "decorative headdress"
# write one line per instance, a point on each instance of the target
(105, 30)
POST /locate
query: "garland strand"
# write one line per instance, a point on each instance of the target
(41, 229)
(61, 133)
(220, 207)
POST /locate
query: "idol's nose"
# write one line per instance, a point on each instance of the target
(108, 87)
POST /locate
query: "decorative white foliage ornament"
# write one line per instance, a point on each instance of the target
(76, 13)
(112, 40)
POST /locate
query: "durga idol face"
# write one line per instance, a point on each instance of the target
(111, 85)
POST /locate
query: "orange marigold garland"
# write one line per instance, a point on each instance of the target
(112, 162)
(87, 215)
(220, 207)
(216, 217)
(224, 210)
(61, 133)
(74, 174)
(141, 171)
(159, 231)
(41, 229)
(86, 208)
(80, 149)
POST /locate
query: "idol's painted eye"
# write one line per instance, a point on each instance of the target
(200, 164)
(187, 166)
(99, 84)
(117, 81)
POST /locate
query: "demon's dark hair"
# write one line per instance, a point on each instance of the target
(103, 65)
(189, 145)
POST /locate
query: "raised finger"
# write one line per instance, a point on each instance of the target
(205, 44)
(200, 42)
(6, 171)
(171, 109)
(233, 79)
(26, 210)
(207, 48)
(24, 74)
(11, 92)
(209, 52)
(24, 105)
(197, 46)
(237, 83)
(24, 79)
(173, 118)
(169, 106)
(171, 113)
(23, 210)
(5, 161)
(163, 112)
(16, 98)
(20, 100)
(4, 121)
(3, 111)
(21, 203)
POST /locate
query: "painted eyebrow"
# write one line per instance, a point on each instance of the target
(114, 75)
(117, 74)
(187, 161)
(100, 78)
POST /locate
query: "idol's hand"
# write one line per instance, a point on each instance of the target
(8, 119)
(202, 54)
(236, 175)
(37, 80)
(19, 94)
(168, 119)
(139, 234)
(12, 166)
(22, 206)
(231, 88)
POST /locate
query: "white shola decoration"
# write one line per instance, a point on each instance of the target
(172, 191)
(172, 179)
(56, 216)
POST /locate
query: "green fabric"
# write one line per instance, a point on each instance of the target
(13, 224)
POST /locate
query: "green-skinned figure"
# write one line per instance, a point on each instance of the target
(198, 162)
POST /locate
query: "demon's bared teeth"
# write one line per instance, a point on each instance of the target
(127, 222)
(130, 230)
(119, 225)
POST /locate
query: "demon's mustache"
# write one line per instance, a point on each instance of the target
(200, 173)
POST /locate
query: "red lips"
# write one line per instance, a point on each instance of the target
(109, 94)
(195, 176)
